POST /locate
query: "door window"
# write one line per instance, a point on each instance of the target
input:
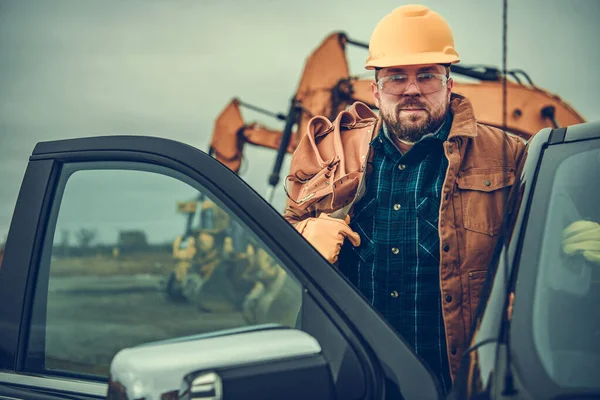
(136, 253)
(565, 324)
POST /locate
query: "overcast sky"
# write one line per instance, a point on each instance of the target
(167, 67)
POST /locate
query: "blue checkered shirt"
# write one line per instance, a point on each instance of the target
(396, 266)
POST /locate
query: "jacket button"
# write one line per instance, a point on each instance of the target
(446, 248)
(396, 207)
(450, 149)
(453, 350)
(395, 250)
(394, 294)
(448, 298)
(401, 167)
(487, 183)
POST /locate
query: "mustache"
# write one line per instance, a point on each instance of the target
(411, 103)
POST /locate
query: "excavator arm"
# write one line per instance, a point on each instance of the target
(231, 133)
(326, 87)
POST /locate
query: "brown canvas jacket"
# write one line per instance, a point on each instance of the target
(481, 168)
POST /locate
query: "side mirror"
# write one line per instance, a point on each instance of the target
(267, 362)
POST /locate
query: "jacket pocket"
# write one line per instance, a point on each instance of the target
(476, 282)
(482, 193)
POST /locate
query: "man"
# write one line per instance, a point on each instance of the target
(429, 218)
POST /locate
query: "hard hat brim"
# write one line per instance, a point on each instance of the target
(415, 59)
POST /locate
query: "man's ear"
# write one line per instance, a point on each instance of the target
(450, 86)
(375, 92)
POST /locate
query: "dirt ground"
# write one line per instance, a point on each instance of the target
(90, 318)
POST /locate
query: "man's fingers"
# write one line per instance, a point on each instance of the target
(589, 245)
(352, 236)
(580, 227)
(327, 234)
(588, 235)
(583, 237)
(593, 256)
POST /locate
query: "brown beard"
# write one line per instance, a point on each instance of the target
(413, 133)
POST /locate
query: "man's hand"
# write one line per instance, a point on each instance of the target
(583, 237)
(327, 234)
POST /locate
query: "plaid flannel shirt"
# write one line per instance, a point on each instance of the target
(396, 267)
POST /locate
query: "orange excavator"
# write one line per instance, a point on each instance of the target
(327, 87)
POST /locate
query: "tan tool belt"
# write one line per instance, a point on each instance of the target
(328, 166)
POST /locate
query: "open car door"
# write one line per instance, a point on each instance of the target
(87, 252)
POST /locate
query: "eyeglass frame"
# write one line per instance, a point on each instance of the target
(444, 79)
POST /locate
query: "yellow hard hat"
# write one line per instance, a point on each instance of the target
(411, 35)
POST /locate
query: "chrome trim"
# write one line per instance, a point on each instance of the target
(204, 385)
(56, 384)
(150, 371)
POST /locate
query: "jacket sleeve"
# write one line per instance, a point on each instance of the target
(293, 215)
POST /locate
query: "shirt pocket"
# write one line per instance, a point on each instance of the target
(428, 209)
(483, 192)
(428, 215)
(364, 226)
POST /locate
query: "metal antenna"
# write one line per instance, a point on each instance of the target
(509, 387)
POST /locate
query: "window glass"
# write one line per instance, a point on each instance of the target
(140, 256)
(565, 319)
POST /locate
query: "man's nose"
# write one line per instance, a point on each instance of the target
(412, 90)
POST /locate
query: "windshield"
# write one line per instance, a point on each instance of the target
(566, 320)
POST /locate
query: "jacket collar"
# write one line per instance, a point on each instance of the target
(464, 123)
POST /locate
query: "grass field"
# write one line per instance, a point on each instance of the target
(152, 263)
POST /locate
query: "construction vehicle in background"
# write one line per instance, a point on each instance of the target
(210, 271)
(223, 269)
(326, 87)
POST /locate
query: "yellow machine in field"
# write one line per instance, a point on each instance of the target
(209, 270)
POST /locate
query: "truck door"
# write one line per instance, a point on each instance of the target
(91, 242)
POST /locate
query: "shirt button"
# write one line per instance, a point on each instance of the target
(396, 207)
(395, 250)
(450, 149)
(401, 167)
(487, 183)
(446, 248)
(394, 294)
(448, 298)
(453, 350)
